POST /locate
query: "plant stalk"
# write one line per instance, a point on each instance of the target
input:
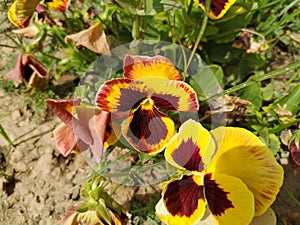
(200, 34)
(254, 79)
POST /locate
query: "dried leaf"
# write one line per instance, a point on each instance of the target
(92, 38)
(27, 32)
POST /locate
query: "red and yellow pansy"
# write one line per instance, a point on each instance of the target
(150, 86)
(229, 170)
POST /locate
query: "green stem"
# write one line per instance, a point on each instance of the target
(255, 79)
(284, 126)
(190, 7)
(5, 136)
(291, 195)
(7, 46)
(289, 81)
(138, 22)
(200, 34)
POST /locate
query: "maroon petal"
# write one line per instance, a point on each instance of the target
(17, 73)
(295, 152)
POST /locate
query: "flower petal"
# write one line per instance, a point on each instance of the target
(60, 5)
(218, 8)
(295, 152)
(172, 94)
(228, 199)
(120, 95)
(241, 154)
(17, 73)
(137, 67)
(65, 140)
(192, 148)
(183, 200)
(148, 130)
(21, 12)
(63, 108)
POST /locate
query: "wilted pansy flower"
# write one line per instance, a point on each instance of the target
(88, 129)
(27, 69)
(229, 170)
(149, 86)
(217, 8)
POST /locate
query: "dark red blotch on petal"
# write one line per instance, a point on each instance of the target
(147, 128)
(165, 101)
(181, 197)
(216, 6)
(130, 99)
(216, 197)
(295, 151)
(188, 156)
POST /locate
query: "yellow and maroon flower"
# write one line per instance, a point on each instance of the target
(21, 11)
(229, 170)
(150, 85)
(218, 8)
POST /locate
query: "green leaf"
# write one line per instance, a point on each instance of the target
(274, 143)
(103, 211)
(5, 136)
(95, 193)
(270, 140)
(86, 189)
(291, 101)
(148, 6)
(267, 91)
(253, 94)
(208, 80)
(250, 63)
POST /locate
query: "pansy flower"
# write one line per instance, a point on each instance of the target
(21, 11)
(229, 171)
(218, 8)
(29, 70)
(90, 128)
(150, 86)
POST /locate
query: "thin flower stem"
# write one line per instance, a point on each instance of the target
(289, 81)
(200, 34)
(7, 46)
(284, 188)
(255, 79)
(138, 23)
(190, 7)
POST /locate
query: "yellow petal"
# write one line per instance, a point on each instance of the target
(60, 5)
(182, 201)
(217, 8)
(21, 12)
(171, 94)
(192, 148)
(229, 200)
(241, 154)
(137, 67)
